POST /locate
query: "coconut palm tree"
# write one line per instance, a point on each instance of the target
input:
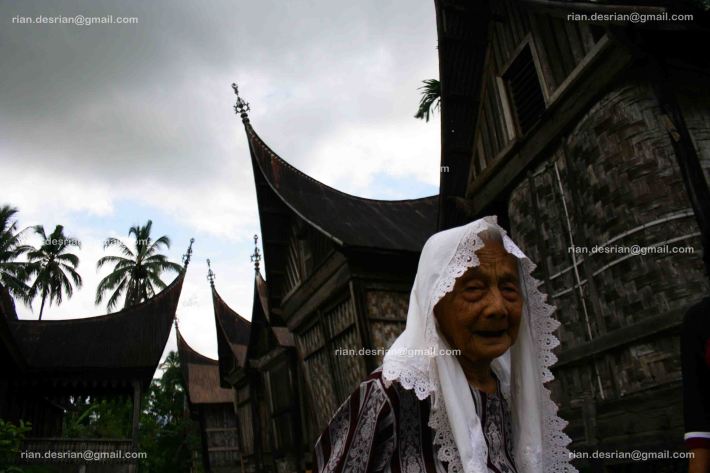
(431, 99)
(53, 267)
(13, 273)
(137, 272)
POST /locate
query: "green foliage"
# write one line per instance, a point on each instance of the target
(13, 273)
(168, 435)
(11, 437)
(431, 99)
(137, 272)
(53, 266)
(98, 418)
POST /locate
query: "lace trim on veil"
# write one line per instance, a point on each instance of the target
(555, 441)
(556, 454)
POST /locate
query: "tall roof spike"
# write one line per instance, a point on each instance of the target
(256, 257)
(186, 257)
(210, 273)
(241, 107)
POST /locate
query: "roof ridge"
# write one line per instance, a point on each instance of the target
(251, 131)
(122, 312)
(216, 293)
(181, 340)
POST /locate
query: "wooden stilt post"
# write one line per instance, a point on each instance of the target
(133, 468)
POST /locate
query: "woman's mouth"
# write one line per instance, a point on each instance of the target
(490, 333)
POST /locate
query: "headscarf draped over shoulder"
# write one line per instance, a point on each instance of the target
(417, 361)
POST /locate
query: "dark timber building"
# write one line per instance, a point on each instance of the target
(339, 271)
(212, 407)
(43, 363)
(584, 134)
(233, 333)
(262, 369)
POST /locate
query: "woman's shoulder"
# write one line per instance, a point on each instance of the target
(376, 393)
(392, 387)
(376, 383)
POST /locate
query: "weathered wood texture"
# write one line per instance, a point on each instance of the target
(219, 425)
(619, 185)
(557, 47)
(387, 316)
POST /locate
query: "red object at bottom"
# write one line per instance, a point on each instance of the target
(697, 442)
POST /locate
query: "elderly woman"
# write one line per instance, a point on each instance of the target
(462, 388)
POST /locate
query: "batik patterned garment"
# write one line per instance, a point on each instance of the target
(493, 411)
(384, 429)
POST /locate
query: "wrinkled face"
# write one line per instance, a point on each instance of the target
(481, 315)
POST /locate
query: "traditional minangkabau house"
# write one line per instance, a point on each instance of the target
(232, 343)
(263, 373)
(339, 270)
(589, 134)
(211, 406)
(46, 362)
(272, 359)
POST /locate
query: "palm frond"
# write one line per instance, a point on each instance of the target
(430, 100)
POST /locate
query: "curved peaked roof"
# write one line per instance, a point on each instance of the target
(201, 376)
(260, 311)
(232, 333)
(346, 219)
(116, 347)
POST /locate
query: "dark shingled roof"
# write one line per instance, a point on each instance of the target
(115, 348)
(232, 333)
(346, 219)
(201, 375)
(462, 28)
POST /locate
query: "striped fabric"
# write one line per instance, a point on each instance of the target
(380, 429)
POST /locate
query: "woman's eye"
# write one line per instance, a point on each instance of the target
(472, 289)
(509, 290)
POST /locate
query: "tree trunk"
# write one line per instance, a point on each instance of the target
(41, 309)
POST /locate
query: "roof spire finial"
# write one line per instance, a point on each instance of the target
(256, 257)
(210, 273)
(186, 257)
(241, 107)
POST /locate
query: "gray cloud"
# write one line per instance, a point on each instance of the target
(92, 116)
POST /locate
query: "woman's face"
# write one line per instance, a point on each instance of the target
(481, 315)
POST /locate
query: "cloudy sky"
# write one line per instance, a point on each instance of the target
(109, 125)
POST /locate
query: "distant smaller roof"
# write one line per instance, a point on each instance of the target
(201, 375)
(283, 335)
(108, 349)
(232, 331)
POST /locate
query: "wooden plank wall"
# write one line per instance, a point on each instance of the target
(558, 47)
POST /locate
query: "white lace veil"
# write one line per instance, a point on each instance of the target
(414, 360)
